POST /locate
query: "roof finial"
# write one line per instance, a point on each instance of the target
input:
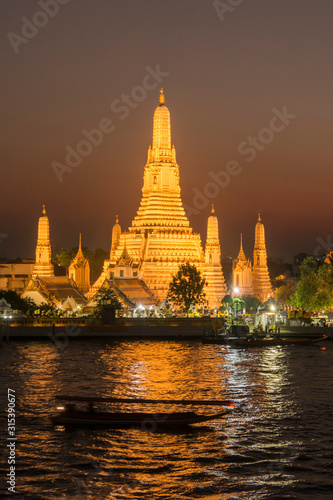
(117, 220)
(80, 243)
(44, 211)
(162, 98)
(241, 245)
(213, 209)
(259, 218)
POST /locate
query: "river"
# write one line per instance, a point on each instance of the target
(276, 444)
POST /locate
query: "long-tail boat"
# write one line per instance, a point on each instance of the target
(68, 414)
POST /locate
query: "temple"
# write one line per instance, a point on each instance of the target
(79, 270)
(160, 238)
(215, 288)
(144, 258)
(61, 292)
(43, 265)
(262, 287)
(242, 273)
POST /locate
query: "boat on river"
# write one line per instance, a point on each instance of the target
(69, 415)
(240, 336)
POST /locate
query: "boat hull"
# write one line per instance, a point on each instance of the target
(250, 342)
(144, 420)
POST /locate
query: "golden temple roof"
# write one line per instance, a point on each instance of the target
(241, 255)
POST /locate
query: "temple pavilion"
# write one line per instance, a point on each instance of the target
(254, 279)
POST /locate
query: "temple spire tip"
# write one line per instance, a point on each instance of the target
(44, 211)
(213, 209)
(162, 98)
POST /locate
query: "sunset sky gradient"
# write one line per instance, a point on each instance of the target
(225, 79)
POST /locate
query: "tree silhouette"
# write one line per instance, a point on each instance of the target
(187, 287)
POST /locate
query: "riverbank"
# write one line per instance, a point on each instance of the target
(132, 328)
(123, 328)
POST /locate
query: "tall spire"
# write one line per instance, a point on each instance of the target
(241, 255)
(79, 252)
(116, 232)
(161, 205)
(262, 286)
(43, 265)
(215, 288)
(161, 148)
(79, 270)
(212, 228)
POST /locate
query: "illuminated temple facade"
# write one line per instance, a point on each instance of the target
(254, 279)
(79, 270)
(242, 273)
(43, 264)
(160, 238)
(262, 287)
(216, 288)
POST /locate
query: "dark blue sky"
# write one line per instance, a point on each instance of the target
(224, 80)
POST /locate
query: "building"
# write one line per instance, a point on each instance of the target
(160, 238)
(215, 288)
(79, 270)
(242, 273)
(45, 288)
(58, 291)
(248, 279)
(16, 275)
(43, 265)
(262, 287)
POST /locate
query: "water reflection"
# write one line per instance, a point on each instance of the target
(267, 445)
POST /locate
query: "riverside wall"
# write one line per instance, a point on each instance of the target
(123, 328)
(132, 328)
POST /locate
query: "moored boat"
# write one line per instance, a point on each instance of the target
(240, 336)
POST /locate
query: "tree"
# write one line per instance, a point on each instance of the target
(17, 303)
(309, 265)
(238, 305)
(251, 303)
(227, 301)
(187, 287)
(314, 290)
(284, 292)
(106, 296)
(65, 257)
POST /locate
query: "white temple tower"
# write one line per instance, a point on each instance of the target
(43, 265)
(216, 288)
(262, 287)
